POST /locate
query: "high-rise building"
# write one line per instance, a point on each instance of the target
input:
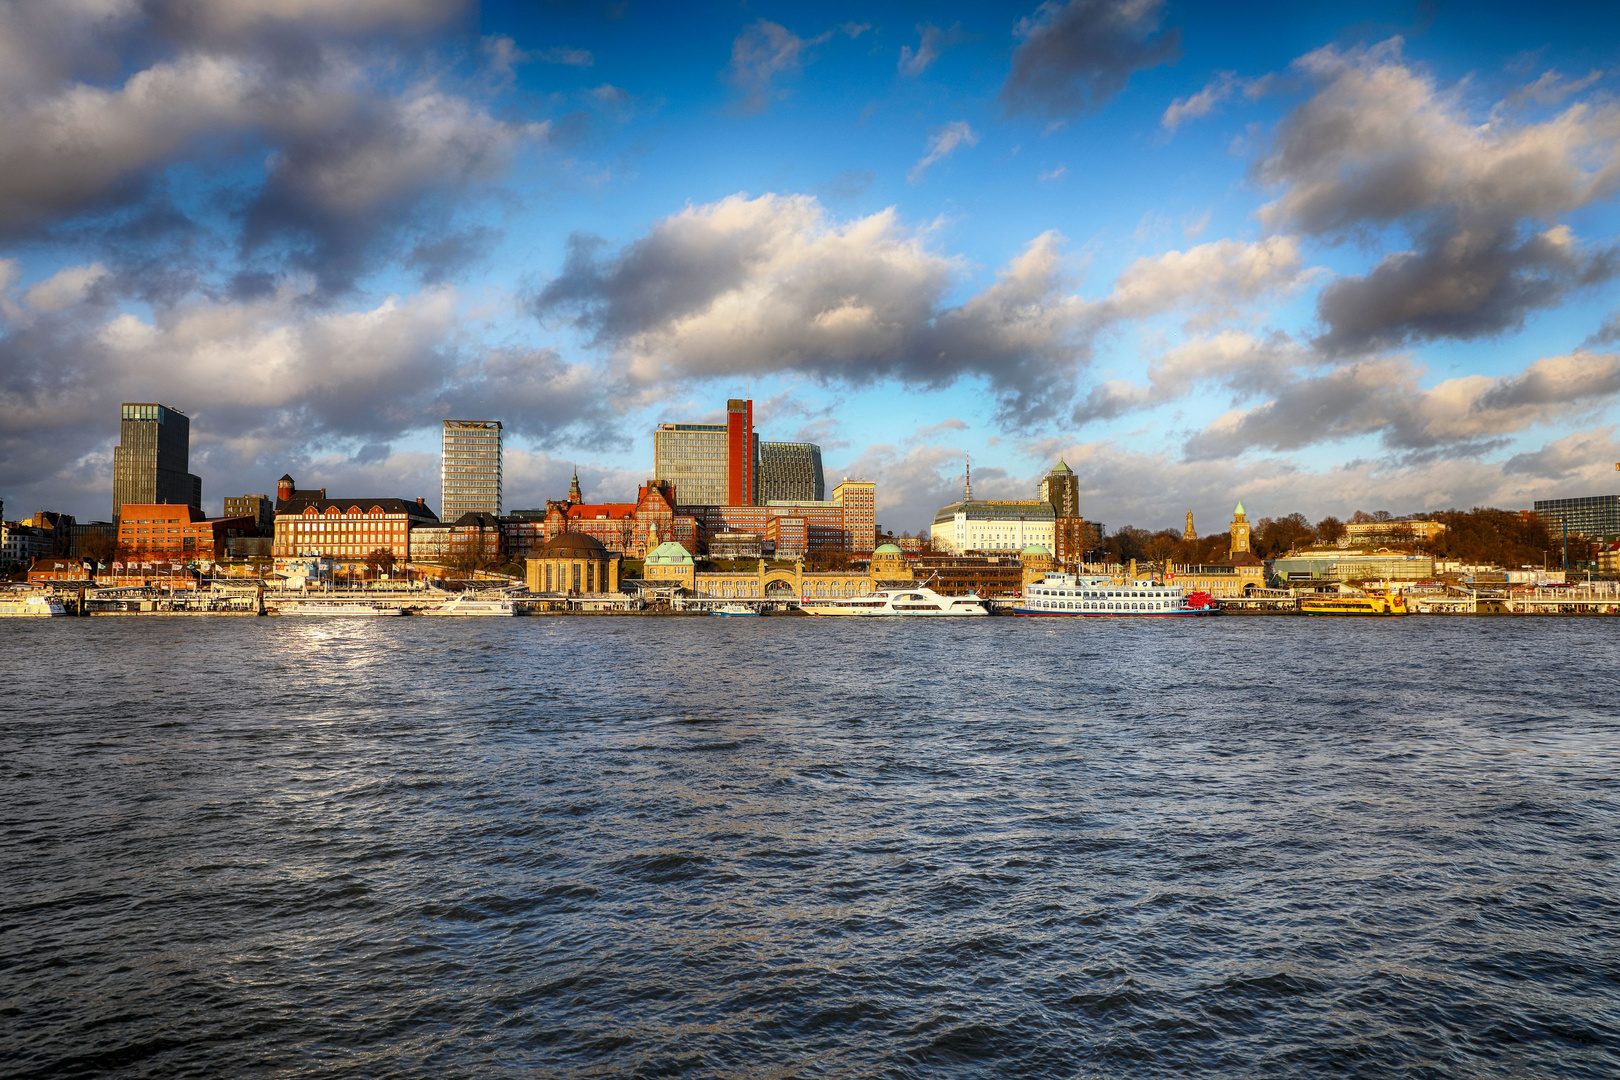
(790, 472)
(471, 468)
(693, 458)
(152, 457)
(1061, 488)
(742, 454)
(710, 464)
(1595, 516)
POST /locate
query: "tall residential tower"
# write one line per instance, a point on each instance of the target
(471, 469)
(152, 457)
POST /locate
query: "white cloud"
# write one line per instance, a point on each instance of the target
(941, 144)
(64, 288)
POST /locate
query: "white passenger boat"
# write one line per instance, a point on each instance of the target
(29, 606)
(1100, 597)
(735, 609)
(916, 600)
(472, 605)
(339, 607)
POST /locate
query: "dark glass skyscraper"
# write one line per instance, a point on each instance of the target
(152, 458)
(790, 471)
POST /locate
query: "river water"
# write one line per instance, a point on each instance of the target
(786, 847)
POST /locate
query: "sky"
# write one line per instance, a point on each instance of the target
(1319, 258)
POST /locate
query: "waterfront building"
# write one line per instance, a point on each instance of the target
(1238, 576)
(1240, 532)
(471, 536)
(470, 468)
(993, 526)
(1594, 516)
(143, 574)
(258, 507)
(152, 457)
(1352, 566)
(309, 525)
(982, 575)
(54, 571)
(734, 545)
(573, 563)
(1407, 531)
(84, 531)
(791, 472)
(23, 543)
(175, 532)
(889, 564)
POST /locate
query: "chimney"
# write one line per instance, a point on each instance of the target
(420, 501)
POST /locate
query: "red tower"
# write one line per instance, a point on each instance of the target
(740, 452)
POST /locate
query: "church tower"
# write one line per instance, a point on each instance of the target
(574, 495)
(1240, 532)
(1189, 533)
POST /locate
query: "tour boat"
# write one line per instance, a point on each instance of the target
(472, 605)
(734, 609)
(1374, 603)
(36, 606)
(338, 607)
(916, 600)
(1101, 597)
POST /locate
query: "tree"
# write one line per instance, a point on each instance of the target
(380, 561)
(1329, 530)
(1273, 537)
(98, 546)
(823, 559)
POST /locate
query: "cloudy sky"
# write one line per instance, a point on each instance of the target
(1320, 258)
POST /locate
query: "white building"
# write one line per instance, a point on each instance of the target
(991, 525)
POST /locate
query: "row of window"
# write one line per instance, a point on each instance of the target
(1102, 605)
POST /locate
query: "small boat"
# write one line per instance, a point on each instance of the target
(917, 600)
(1063, 595)
(339, 607)
(18, 605)
(735, 609)
(472, 605)
(1382, 604)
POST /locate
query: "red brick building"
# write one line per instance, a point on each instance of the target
(175, 531)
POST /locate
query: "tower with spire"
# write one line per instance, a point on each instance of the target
(574, 495)
(1240, 532)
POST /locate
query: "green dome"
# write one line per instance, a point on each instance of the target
(669, 553)
(1036, 549)
(887, 549)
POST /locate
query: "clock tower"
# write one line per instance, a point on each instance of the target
(1240, 532)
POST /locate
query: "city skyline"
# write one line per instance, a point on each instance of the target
(1131, 237)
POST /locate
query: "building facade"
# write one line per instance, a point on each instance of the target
(470, 468)
(258, 507)
(572, 563)
(993, 526)
(1240, 533)
(152, 458)
(1390, 532)
(167, 531)
(791, 472)
(1595, 516)
(309, 525)
(692, 458)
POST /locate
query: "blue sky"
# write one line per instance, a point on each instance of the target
(1355, 257)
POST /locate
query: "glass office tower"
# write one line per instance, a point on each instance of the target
(471, 468)
(152, 457)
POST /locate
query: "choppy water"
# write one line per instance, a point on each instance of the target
(793, 847)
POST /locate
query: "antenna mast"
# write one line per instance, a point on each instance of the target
(967, 478)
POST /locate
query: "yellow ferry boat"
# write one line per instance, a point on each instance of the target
(1371, 604)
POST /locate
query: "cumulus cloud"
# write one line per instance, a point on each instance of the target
(354, 157)
(1200, 104)
(1379, 144)
(931, 46)
(1576, 455)
(1214, 278)
(1075, 57)
(1234, 359)
(264, 380)
(1382, 396)
(941, 144)
(774, 284)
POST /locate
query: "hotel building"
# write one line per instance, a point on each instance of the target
(310, 524)
(471, 468)
(152, 457)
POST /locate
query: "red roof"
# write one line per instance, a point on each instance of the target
(602, 510)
